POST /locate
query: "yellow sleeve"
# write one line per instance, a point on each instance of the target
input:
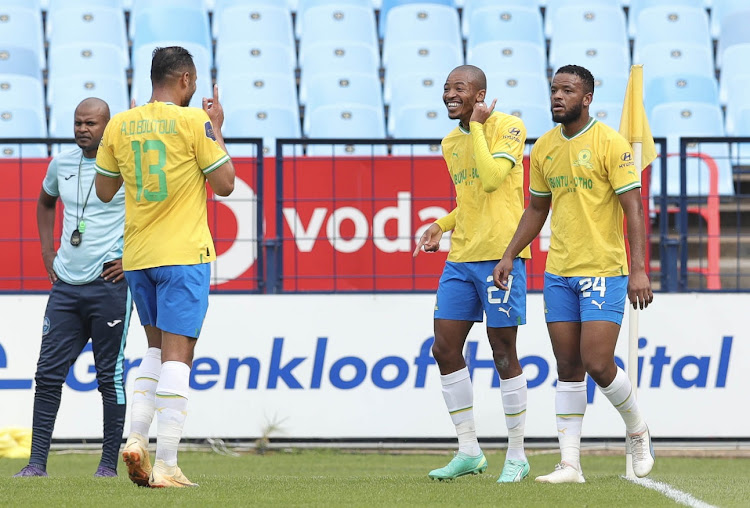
(492, 171)
(537, 183)
(207, 151)
(621, 169)
(106, 164)
(448, 222)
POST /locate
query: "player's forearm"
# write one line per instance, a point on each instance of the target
(636, 235)
(492, 171)
(106, 187)
(448, 222)
(529, 227)
(45, 221)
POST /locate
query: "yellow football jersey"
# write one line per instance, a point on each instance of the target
(485, 221)
(163, 152)
(584, 174)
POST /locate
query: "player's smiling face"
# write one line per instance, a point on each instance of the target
(460, 95)
(568, 98)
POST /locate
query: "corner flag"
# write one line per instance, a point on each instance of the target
(633, 122)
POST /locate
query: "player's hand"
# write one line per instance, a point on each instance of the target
(213, 109)
(430, 239)
(481, 112)
(49, 259)
(500, 273)
(639, 290)
(113, 271)
(132, 103)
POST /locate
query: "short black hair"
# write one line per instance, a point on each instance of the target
(170, 62)
(581, 72)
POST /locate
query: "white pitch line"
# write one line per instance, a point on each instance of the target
(670, 492)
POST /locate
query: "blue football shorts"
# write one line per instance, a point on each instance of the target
(466, 290)
(172, 298)
(581, 299)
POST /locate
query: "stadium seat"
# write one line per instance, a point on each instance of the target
(599, 57)
(83, 58)
(680, 88)
(419, 122)
(676, 119)
(252, 23)
(331, 6)
(346, 122)
(21, 27)
(423, 23)
(735, 64)
(250, 121)
(516, 88)
(65, 93)
(419, 88)
(350, 23)
(733, 31)
(721, 9)
(610, 87)
(608, 113)
(552, 7)
(258, 56)
(258, 89)
(599, 23)
(334, 56)
(138, 6)
(55, 5)
(674, 24)
(436, 58)
(496, 56)
(737, 100)
(18, 60)
(141, 81)
(27, 92)
(536, 118)
(667, 58)
(387, 5)
(470, 6)
(504, 23)
(171, 23)
(636, 6)
(89, 25)
(20, 122)
(340, 88)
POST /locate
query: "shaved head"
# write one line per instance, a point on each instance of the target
(474, 74)
(90, 119)
(94, 105)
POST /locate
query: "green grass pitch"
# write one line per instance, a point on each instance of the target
(368, 478)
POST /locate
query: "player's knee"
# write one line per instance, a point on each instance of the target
(443, 352)
(568, 371)
(597, 369)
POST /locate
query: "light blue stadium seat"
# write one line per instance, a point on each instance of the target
(271, 121)
(251, 23)
(470, 6)
(346, 122)
(537, 118)
(680, 88)
(21, 90)
(21, 122)
(501, 55)
(737, 100)
(721, 9)
(55, 5)
(66, 92)
(141, 81)
(21, 27)
(340, 88)
(258, 89)
(600, 23)
(741, 127)
(504, 23)
(19, 60)
(423, 23)
(598, 57)
(420, 122)
(667, 58)
(387, 5)
(334, 56)
(734, 30)
(608, 113)
(420, 88)
(636, 6)
(34, 5)
(329, 5)
(338, 23)
(610, 87)
(258, 56)
(735, 64)
(581, 5)
(159, 23)
(84, 58)
(436, 58)
(515, 88)
(676, 119)
(138, 6)
(90, 25)
(675, 24)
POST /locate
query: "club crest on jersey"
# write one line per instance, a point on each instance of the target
(584, 159)
(210, 131)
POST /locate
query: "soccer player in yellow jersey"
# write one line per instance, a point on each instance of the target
(164, 152)
(585, 171)
(484, 155)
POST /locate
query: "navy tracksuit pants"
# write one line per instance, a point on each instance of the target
(99, 310)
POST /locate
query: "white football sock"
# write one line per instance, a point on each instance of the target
(144, 390)
(171, 409)
(459, 399)
(514, 393)
(570, 406)
(620, 394)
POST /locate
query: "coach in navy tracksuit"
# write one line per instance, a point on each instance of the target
(89, 297)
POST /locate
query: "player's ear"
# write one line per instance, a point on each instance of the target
(588, 98)
(481, 95)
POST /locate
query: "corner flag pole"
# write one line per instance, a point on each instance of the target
(634, 126)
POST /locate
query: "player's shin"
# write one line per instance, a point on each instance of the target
(171, 409)
(514, 393)
(459, 399)
(620, 394)
(144, 389)
(570, 406)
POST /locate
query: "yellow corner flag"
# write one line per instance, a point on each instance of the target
(633, 122)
